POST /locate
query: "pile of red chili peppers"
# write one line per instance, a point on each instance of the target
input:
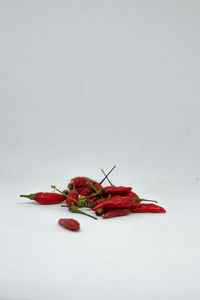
(108, 202)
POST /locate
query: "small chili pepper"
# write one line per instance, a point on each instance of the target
(72, 195)
(70, 224)
(147, 208)
(79, 182)
(84, 191)
(131, 194)
(75, 209)
(46, 198)
(100, 200)
(116, 190)
(119, 202)
(115, 202)
(91, 202)
(116, 213)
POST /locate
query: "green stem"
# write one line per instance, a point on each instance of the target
(75, 209)
(55, 188)
(74, 187)
(108, 197)
(107, 175)
(135, 200)
(31, 196)
(92, 186)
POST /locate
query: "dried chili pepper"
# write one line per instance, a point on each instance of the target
(147, 208)
(116, 190)
(70, 196)
(46, 198)
(84, 191)
(115, 202)
(131, 194)
(70, 224)
(116, 213)
(91, 202)
(119, 202)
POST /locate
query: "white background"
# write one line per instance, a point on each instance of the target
(85, 85)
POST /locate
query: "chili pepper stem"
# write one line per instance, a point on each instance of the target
(97, 193)
(74, 187)
(92, 186)
(108, 197)
(139, 199)
(107, 177)
(75, 209)
(55, 188)
(31, 196)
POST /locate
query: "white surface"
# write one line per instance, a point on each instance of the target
(85, 85)
(146, 256)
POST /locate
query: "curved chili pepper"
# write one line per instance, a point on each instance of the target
(115, 202)
(116, 213)
(116, 190)
(70, 224)
(72, 194)
(100, 200)
(46, 198)
(131, 194)
(147, 208)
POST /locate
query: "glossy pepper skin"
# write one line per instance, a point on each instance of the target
(116, 213)
(46, 198)
(81, 181)
(84, 185)
(147, 208)
(70, 224)
(73, 194)
(115, 202)
(84, 191)
(131, 194)
(116, 190)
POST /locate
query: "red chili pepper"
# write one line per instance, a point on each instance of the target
(46, 198)
(84, 191)
(115, 202)
(73, 194)
(91, 202)
(132, 194)
(147, 208)
(80, 182)
(70, 224)
(100, 200)
(85, 186)
(116, 190)
(116, 213)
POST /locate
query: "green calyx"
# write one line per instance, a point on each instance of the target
(99, 211)
(65, 192)
(81, 202)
